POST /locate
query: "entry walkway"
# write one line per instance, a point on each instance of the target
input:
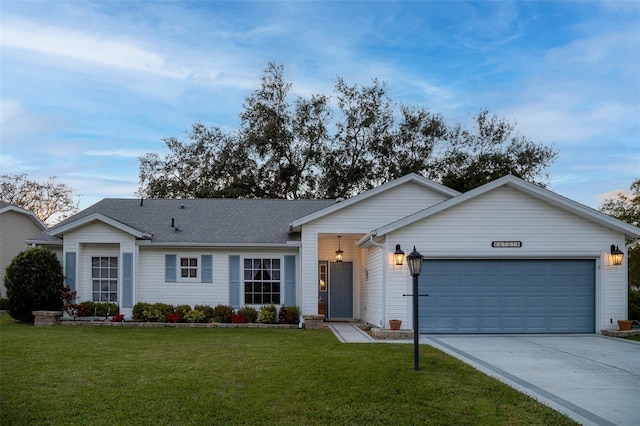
(349, 332)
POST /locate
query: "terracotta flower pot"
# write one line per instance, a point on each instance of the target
(625, 324)
(395, 324)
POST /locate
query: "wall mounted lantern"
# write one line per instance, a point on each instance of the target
(616, 255)
(339, 253)
(398, 255)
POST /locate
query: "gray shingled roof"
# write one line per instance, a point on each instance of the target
(204, 221)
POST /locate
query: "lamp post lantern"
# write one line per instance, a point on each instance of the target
(414, 261)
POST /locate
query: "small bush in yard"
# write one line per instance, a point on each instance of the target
(174, 317)
(195, 315)
(34, 281)
(267, 314)
(98, 309)
(238, 319)
(157, 312)
(208, 312)
(139, 309)
(222, 313)
(182, 310)
(4, 303)
(289, 314)
(248, 313)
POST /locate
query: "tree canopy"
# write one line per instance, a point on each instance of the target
(295, 147)
(50, 201)
(627, 208)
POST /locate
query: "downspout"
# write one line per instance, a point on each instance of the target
(625, 276)
(384, 279)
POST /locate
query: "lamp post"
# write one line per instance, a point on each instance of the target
(414, 261)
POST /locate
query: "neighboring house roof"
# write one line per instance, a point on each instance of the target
(7, 207)
(533, 190)
(412, 177)
(211, 221)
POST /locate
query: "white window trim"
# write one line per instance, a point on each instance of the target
(242, 279)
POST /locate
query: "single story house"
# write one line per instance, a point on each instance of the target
(507, 257)
(16, 225)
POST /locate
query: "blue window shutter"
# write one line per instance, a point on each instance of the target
(290, 280)
(234, 281)
(170, 268)
(207, 270)
(70, 269)
(127, 280)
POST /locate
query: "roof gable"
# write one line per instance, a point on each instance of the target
(525, 187)
(6, 207)
(412, 177)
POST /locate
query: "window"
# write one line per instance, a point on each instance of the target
(261, 281)
(104, 278)
(188, 267)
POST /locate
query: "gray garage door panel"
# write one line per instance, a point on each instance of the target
(507, 296)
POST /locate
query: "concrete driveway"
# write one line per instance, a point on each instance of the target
(593, 379)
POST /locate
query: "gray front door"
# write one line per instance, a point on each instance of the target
(341, 290)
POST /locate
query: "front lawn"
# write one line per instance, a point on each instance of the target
(167, 376)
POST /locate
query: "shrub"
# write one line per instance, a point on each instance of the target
(248, 313)
(69, 305)
(195, 315)
(157, 312)
(118, 318)
(4, 303)
(208, 312)
(138, 311)
(237, 319)
(98, 309)
(182, 310)
(289, 315)
(34, 280)
(222, 313)
(267, 314)
(173, 317)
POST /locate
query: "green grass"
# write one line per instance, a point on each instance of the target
(167, 376)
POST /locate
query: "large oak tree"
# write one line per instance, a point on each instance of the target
(303, 148)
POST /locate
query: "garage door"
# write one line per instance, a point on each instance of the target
(507, 296)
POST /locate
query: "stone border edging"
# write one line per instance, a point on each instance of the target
(72, 323)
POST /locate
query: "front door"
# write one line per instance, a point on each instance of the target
(341, 290)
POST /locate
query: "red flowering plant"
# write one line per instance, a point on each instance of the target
(117, 318)
(173, 317)
(70, 307)
(238, 319)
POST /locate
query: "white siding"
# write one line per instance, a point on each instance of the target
(152, 287)
(371, 286)
(352, 223)
(97, 239)
(15, 227)
(375, 212)
(467, 230)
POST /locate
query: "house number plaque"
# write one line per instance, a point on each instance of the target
(506, 244)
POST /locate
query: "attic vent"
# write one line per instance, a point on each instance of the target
(182, 206)
(339, 199)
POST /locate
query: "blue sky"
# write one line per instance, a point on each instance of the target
(88, 87)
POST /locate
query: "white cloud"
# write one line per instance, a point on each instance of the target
(121, 153)
(100, 49)
(9, 108)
